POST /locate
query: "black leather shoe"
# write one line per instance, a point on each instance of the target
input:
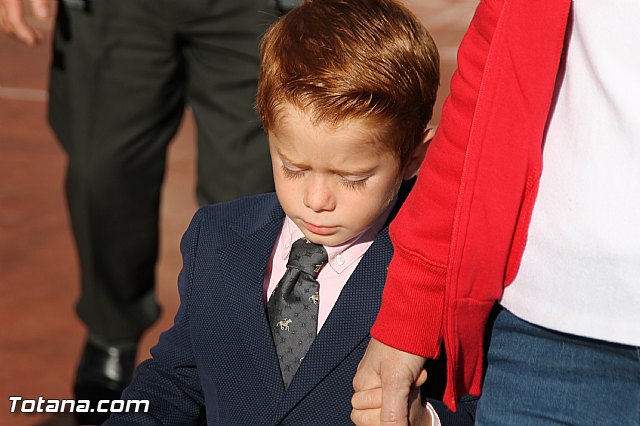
(103, 373)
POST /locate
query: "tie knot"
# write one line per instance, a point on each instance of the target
(307, 257)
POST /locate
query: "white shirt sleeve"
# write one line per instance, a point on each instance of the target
(435, 420)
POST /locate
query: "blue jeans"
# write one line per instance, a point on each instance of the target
(536, 376)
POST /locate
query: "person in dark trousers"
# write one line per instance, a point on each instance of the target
(122, 73)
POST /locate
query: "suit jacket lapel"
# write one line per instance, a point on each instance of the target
(347, 325)
(245, 295)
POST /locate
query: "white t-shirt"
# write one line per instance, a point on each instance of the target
(580, 271)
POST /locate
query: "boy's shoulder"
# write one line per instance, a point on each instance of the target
(242, 216)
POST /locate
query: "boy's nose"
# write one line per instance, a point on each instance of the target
(318, 196)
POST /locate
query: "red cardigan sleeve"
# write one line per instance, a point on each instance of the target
(412, 312)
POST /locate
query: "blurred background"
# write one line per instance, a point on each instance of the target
(40, 335)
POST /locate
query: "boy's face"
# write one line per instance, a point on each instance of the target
(333, 182)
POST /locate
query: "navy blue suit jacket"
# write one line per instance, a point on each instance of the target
(219, 354)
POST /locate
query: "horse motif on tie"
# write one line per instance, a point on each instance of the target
(314, 298)
(284, 324)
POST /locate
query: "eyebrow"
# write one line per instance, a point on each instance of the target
(287, 159)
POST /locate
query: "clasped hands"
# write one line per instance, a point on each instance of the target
(387, 388)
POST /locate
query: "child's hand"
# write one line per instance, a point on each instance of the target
(367, 404)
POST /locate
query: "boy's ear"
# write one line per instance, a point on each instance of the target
(414, 163)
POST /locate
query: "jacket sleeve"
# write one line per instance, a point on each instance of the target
(169, 380)
(413, 303)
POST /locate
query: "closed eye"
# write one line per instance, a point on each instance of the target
(291, 172)
(354, 182)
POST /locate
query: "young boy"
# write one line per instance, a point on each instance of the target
(279, 291)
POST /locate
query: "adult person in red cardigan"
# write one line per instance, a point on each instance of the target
(551, 82)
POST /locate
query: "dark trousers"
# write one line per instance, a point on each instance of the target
(121, 75)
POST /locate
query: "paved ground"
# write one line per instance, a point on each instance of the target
(40, 337)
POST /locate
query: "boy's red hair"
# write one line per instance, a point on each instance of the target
(352, 59)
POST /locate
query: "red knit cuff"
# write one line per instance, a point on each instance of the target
(411, 315)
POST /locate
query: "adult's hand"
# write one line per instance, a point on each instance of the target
(396, 373)
(13, 23)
